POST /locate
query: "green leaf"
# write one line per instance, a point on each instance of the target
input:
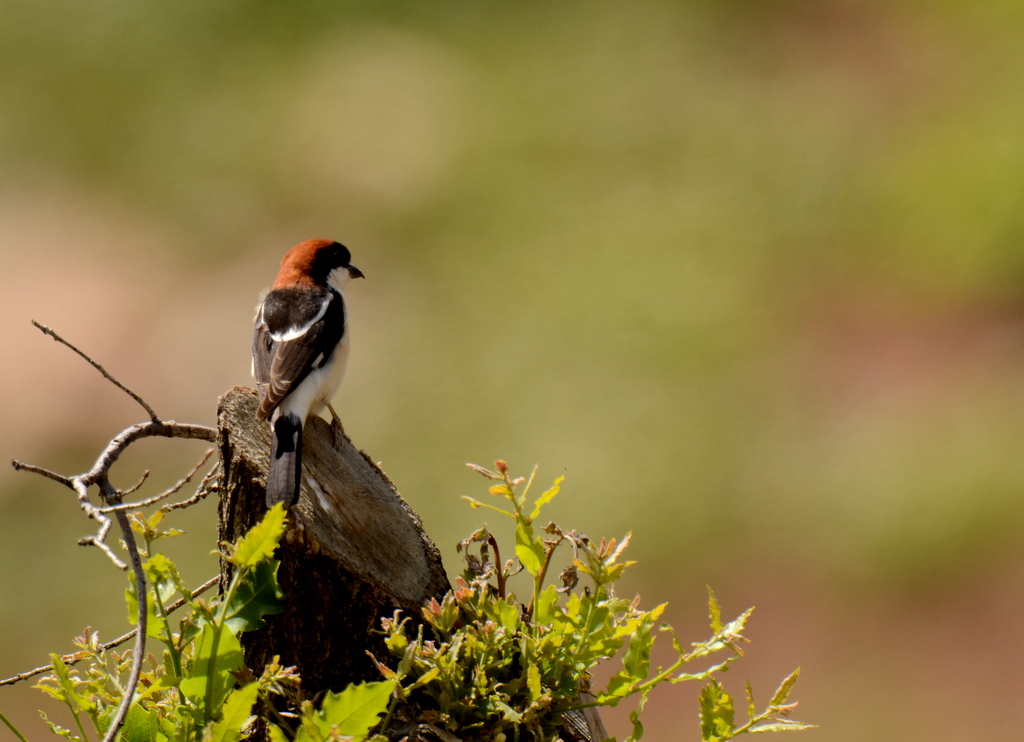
(529, 550)
(257, 594)
(228, 658)
(477, 504)
(425, 678)
(140, 725)
(507, 712)
(508, 611)
(533, 682)
(716, 612)
(784, 689)
(156, 624)
(734, 629)
(545, 498)
(634, 716)
(704, 674)
(261, 541)
(67, 685)
(276, 733)
(59, 730)
(544, 612)
(637, 661)
(356, 710)
(237, 710)
(782, 725)
(716, 713)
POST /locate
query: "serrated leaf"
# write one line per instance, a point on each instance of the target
(784, 688)
(163, 684)
(529, 550)
(637, 660)
(508, 611)
(782, 726)
(546, 497)
(704, 674)
(237, 710)
(507, 712)
(262, 539)
(533, 682)
(257, 594)
(425, 678)
(140, 725)
(544, 611)
(156, 624)
(736, 627)
(276, 733)
(716, 713)
(486, 472)
(59, 730)
(634, 716)
(228, 658)
(716, 611)
(67, 685)
(356, 709)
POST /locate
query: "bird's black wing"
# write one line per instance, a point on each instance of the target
(297, 331)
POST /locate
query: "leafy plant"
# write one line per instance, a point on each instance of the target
(481, 664)
(492, 664)
(199, 689)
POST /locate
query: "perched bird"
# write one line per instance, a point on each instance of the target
(299, 352)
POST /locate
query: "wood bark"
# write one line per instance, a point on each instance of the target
(354, 551)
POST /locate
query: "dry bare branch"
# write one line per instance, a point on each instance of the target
(21, 466)
(205, 488)
(137, 485)
(99, 476)
(149, 410)
(163, 495)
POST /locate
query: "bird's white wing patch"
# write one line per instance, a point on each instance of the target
(292, 333)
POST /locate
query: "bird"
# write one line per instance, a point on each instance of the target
(300, 348)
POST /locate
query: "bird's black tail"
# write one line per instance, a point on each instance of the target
(285, 462)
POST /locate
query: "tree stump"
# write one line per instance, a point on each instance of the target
(354, 550)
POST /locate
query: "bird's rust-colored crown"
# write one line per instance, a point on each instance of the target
(303, 264)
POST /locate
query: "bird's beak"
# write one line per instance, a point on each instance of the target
(355, 272)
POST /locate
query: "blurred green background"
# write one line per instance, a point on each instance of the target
(748, 272)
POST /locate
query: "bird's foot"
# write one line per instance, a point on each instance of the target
(335, 420)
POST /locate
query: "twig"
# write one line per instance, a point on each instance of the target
(135, 488)
(81, 488)
(21, 466)
(149, 410)
(99, 475)
(157, 498)
(204, 489)
(71, 659)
